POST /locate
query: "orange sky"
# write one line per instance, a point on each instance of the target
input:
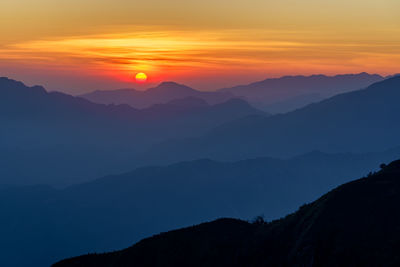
(77, 46)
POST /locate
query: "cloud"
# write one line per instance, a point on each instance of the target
(176, 53)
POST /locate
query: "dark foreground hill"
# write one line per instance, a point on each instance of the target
(41, 225)
(357, 224)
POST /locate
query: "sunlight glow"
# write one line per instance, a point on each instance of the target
(202, 55)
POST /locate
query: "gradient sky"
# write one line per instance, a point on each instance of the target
(77, 46)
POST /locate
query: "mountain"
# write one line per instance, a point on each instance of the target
(393, 75)
(59, 139)
(359, 121)
(41, 225)
(54, 138)
(162, 93)
(29, 109)
(355, 224)
(193, 110)
(279, 95)
(276, 95)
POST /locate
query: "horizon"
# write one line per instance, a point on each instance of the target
(206, 46)
(144, 87)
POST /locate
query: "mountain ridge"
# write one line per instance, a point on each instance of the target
(353, 224)
(50, 127)
(155, 199)
(162, 93)
(355, 121)
(273, 95)
(287, 93)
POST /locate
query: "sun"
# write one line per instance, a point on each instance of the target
(141, 77)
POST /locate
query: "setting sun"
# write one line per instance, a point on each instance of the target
(141, 77)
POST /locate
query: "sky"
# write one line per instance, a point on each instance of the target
(77, 46)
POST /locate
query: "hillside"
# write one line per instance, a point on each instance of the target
(61, 139)
(355, 224)
(57, 118)
(287, 93)
(359, 121)
(122, 209)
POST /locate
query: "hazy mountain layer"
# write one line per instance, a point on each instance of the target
(165, 92)
(354, 225)
(278, 95)
(359, 121)
(41, 225)
(59, 139)
(274, 95)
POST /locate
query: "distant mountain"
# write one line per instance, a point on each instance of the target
(293, 103)
(41, 225)
(393, 75)
(162, 93)
(197, 108)
(279, 95)
(56, 138)
(276, 95)
(357, 224)
(60, 139)
(359, 121)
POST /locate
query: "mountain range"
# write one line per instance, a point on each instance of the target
(202, 161)
(358, 121)
(287, 93)
(355, 224)
(47, 133)
(41, 225)
(164, 92)
(273, 95)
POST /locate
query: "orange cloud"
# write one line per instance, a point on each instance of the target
(191, 54)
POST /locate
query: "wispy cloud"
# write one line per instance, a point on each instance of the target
(192, 52)
(149, 51)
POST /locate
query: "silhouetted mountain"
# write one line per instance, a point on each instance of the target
(41, 225)
(357, 224)
(393, 75)
(162, 93)
(273, 95)
(195, 109)
(278, 95)
(359, 121)
(32, 108)
(58, 138)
